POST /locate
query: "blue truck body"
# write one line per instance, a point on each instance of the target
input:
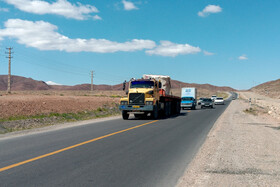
(188, 98)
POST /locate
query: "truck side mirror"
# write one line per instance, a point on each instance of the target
(124, 84)
(126, 92)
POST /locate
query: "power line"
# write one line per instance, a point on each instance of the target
(57, 65)
(54, 62)
(69, 66)
(52, 68)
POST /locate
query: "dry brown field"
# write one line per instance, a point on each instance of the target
(30, 103)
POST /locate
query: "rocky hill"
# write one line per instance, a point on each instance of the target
(22, 83)
(270, 89)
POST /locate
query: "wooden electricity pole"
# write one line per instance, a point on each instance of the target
(9, 71)
(91, 86)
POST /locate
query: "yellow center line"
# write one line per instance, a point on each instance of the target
(72, 146)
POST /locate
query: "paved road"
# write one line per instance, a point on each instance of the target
(133, 152)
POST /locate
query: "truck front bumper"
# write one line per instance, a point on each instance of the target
(187, 105)
(137, 108)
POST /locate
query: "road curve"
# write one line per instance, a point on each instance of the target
(109, 153)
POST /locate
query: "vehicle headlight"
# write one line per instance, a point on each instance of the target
(149, 102)
(202, 103)
(124, 102)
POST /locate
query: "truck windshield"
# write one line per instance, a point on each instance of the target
(187, 99)
(142, 84)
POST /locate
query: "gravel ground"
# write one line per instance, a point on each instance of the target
(241, 150)
(272, 106)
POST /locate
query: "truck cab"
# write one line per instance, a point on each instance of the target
(188, 98)
(142, 97)
(149, 95)
(188, 102)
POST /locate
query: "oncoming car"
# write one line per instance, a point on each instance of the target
(207, 102)
(219, 101)
(199, 101)
(213, 97)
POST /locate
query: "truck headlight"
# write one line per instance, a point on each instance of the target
(124, 102)
(149, 102)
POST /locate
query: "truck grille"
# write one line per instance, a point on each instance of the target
(136, 99)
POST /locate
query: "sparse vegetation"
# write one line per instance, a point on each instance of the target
(251, 110)
(16, 123)
(222, 94)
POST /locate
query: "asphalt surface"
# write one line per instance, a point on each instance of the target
(154, 154)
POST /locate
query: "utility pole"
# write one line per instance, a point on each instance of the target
(9, 71)
(91, 86)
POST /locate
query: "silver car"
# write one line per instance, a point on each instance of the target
(219, 101)
(207, 102)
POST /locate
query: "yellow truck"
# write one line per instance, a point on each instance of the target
(149, 95)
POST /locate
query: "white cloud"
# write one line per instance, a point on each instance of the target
(96, 17)
(210, 9)
(42, 35)
(208, 53)
(167, 48)
(52, 83)
(128, 5)
(4, 9)
(243, 57)
(59, 7)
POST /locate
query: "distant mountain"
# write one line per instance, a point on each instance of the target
(271, 89)
(22, 83)
(177, 84)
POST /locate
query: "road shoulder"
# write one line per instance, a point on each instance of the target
(240, 150)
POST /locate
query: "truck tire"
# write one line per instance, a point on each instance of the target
(178, 108)
(155, 112)
(193, 107)
(125, 115)
(167, 109)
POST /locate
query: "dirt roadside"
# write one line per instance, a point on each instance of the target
(241, 150)
(269, 105)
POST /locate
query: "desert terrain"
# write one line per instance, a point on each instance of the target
(30, 109)
(33, 103)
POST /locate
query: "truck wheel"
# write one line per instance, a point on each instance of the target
(125, 115)
(178, 108)
(169, 108)
(155, 112)
(166, 109)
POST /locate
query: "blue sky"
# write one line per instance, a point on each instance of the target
(225, 43)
